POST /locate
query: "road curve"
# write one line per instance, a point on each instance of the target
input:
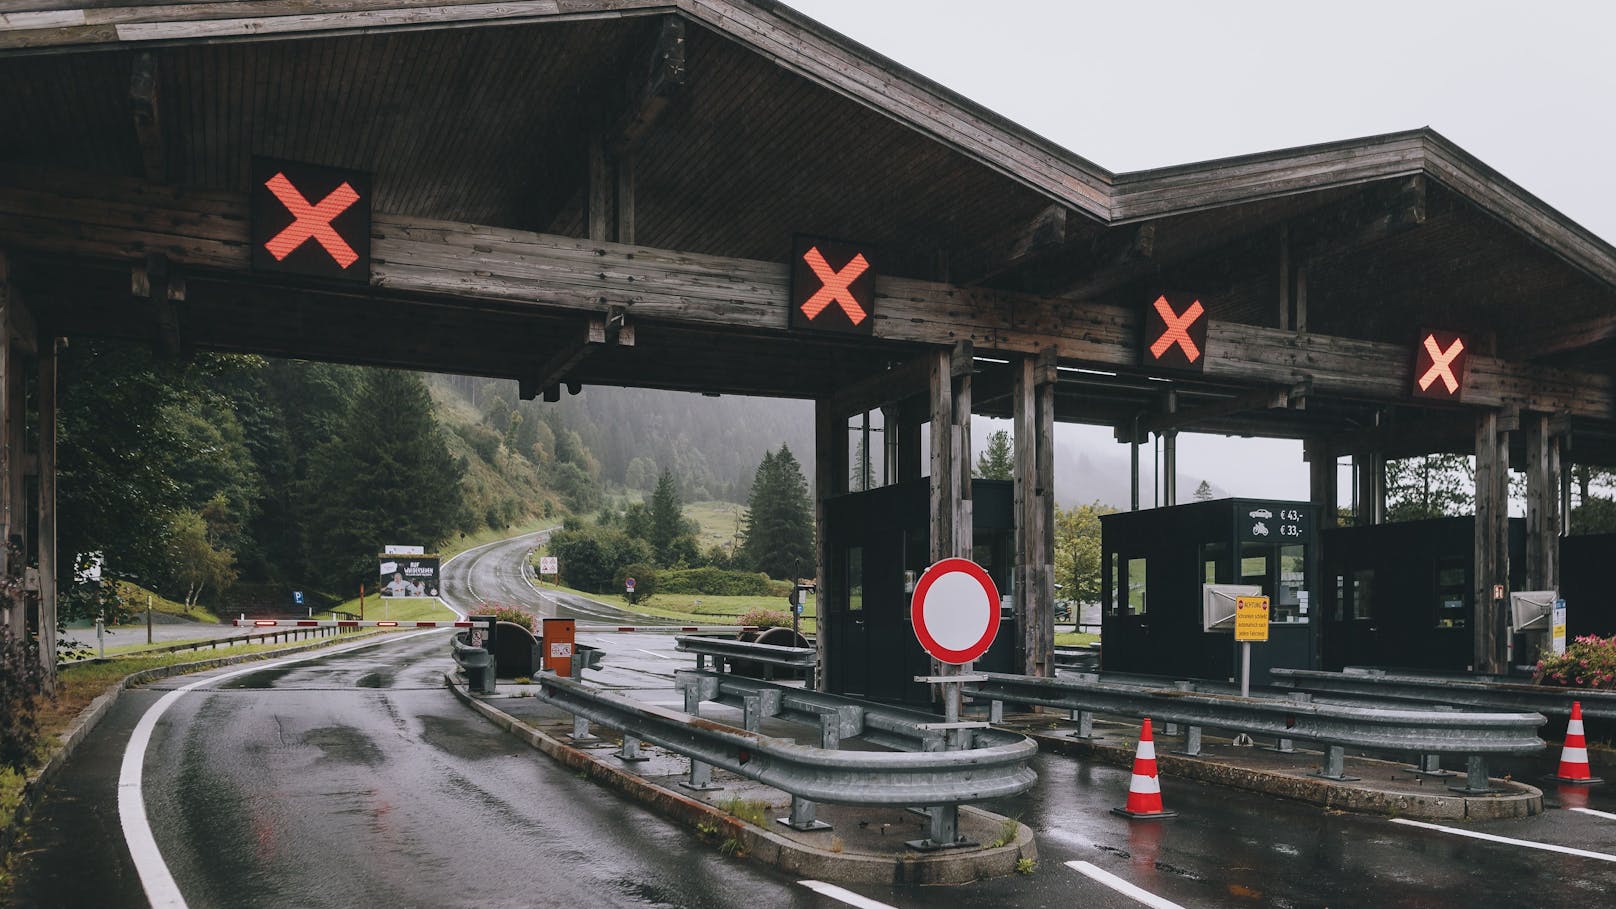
(492, 574)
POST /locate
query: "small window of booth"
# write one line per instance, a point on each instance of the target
(1155, 562)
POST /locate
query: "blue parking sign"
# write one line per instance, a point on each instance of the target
(297, 597)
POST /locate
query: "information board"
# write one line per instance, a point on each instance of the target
(1251, 619)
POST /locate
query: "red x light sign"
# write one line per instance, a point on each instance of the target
(1174, 335)
(832, 286)
(1440, 361)
(310, 220)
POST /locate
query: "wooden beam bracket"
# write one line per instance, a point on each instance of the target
(161, 285)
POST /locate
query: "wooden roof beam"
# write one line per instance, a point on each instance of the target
(162, 286)
(1271, 398)
(653, 89)
(1548, 337)
(1045, 234)
(1380, 213)
(890, 387)
(599, 331)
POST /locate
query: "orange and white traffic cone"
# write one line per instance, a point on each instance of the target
(1144, 790)
(1574, 756)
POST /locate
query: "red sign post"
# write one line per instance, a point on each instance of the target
(1174, 335)
(1440, 361)
(832, 286)
(955, 611)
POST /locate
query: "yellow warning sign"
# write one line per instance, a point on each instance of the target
(1251, 618)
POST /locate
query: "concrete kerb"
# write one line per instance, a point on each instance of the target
(1425, 801)
(33, 788)
(778, 849)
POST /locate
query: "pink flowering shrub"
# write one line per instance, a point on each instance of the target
(1589, 662)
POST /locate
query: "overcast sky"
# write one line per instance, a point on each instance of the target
(1529, 88)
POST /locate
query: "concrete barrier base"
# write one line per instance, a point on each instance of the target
(863, 845)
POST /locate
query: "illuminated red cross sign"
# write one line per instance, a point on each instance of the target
(1440, 360)
(1174, 335)
(832, 286)
(310, 220)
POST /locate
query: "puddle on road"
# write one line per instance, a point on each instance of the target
(344, 745)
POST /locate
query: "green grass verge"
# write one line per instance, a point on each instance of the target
(683, 608)
(135, 597)
(387, 609)
(1075, 639)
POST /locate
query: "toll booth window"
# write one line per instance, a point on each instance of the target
(1254, 567)
(1452, 593)
(1363, 594)
(855, 578)
(1215, 563)
(1287, 606)
(1113, 583)
(1136, 586)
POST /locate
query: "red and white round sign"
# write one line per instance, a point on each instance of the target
(955, 610)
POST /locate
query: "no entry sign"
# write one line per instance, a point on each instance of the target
(832, 286)
(955, 610)
(1174, 335)
(1440, 361)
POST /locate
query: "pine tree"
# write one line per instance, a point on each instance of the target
(777, 533)
(1203, 492)
(667, 517)
(998, 462)
(386, 476)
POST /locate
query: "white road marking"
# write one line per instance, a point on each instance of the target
(161, 891)
(660, 656)
(1123, 887)
(846, 896)
(1508, 841)
(1604, 814)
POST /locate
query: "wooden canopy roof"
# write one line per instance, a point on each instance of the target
(129, 127)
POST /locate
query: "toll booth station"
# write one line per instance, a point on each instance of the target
(1156, 564)
(879, 545)
(1403, 595)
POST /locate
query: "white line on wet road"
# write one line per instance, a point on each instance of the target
(1508, 841)
(843, 895)
(1123, 887)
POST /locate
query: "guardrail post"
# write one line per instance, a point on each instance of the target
(752, 712)
(1192, 741)
(630, 750)
(1335, 765)
(1476, 782)
(802, 816)
(701, 773)
(830, 731)
(943, 831)
(996, 711)
(1085, 724)
(1430, 765)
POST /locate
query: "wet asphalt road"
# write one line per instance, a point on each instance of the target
(492, 575)
(355, 779)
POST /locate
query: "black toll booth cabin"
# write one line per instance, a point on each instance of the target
(879, 542)
(1155, 562)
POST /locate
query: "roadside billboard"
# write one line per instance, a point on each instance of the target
(408, 575)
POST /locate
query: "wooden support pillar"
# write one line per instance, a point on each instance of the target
(1323, 486)
(1542, 503)
(11, 611)
(950, 396)
(911, 417)
(1033, 405)
(47, 508)
(830, 447)
(1492, 542)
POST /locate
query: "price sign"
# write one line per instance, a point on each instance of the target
(1275, 522)
(1251, 619)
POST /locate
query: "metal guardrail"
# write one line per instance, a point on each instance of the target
(477, 662)
(1466, 691)
(290, 634)
(1337, 727)
(995, 764)
(668, 629)
(731, 651)
(1078, 659)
